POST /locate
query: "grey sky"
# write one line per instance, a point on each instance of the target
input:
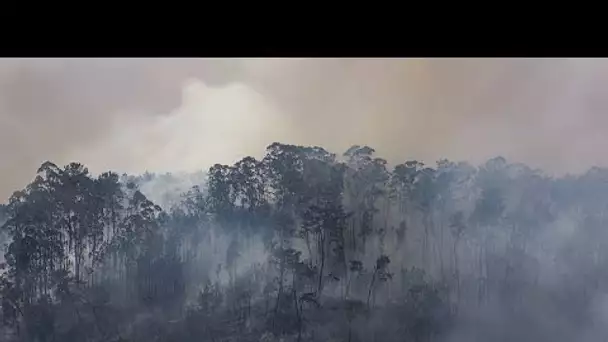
(183, 114)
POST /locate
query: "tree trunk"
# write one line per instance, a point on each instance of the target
(281, 276)
(371, 286)
(298, 313)
(457, 272)
(307, 237)
(322, 267)
(425, 243)
(441, 244)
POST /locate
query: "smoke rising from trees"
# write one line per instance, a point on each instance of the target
(300, 242)
(304, 246)
(118, 113)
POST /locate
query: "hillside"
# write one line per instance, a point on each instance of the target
(305, 246)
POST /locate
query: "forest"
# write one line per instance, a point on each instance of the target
(307, 245)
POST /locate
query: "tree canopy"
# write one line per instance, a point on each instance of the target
(306, 245)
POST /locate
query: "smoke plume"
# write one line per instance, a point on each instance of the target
(185, 114)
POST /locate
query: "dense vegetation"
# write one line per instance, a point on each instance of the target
(305, 246)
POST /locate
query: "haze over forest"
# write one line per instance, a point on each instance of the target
(187, 114)
(423, 200)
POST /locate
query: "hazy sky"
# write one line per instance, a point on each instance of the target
(185, 114)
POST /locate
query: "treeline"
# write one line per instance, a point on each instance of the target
(305, 245)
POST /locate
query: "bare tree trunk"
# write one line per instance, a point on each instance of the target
(457, 272)
(425, 243)
(77, 262)
(371, 286)
(354, 234)
(298, 313)
(279, 293)
(322, 268)
(441, 244)
(281, 276)
(307, 237)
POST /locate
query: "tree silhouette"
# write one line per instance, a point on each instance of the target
(301, 245)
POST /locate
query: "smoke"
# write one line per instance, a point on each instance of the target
(168, 190)
(134, 115)
(209, 126)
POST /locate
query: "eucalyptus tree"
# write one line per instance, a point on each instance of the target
(488, 213)
(402, 182)
(87, 255)
(366, 182)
